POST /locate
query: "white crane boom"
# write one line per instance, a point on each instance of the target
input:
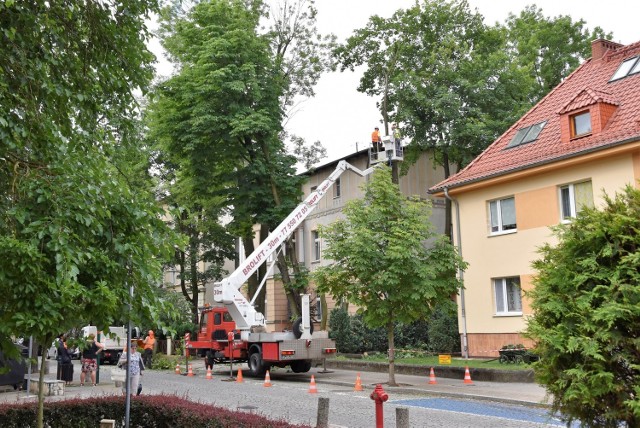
(227, 290)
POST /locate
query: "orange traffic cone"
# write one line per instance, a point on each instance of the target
(209, 375)
(467, 376)
(267, 379)
(312, 385)
(190, 372)
(178, 368)
(358, 385)
(432, 377)
(239, 378)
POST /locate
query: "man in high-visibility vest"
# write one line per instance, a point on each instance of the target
(376, 141)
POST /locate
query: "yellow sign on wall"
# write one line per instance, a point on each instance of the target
(444, 359)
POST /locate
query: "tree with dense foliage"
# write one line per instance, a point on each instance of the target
(455, 84)
(388, 260)
(78, 227)
(587, 314)
(548, 48)
(219, 118)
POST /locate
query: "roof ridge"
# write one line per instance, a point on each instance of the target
(612, 55)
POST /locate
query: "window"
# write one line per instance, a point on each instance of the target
(313, 188)
(527, 135)
(574, 197)
(580, 124)
(316, 245)
(627, 67)
(336, 189)
(318, 309)
(503, 215)
(507, 293)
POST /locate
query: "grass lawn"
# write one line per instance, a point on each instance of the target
(432, 361)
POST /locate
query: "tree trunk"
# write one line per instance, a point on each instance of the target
(293, 300)
(40, 417)
(193, 266)
(325, 312)
(447, 213)
(183, 285)
(392, 355)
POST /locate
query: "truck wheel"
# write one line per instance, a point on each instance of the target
(300, 366)
(297, 328)
(257, 367)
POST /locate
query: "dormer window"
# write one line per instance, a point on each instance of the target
(580, 124)
(628, 67)
(526, 135)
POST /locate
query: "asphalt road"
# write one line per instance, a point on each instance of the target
(449, 404)
(288, 398)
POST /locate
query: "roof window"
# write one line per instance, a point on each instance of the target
(527, 135)
(628, 67)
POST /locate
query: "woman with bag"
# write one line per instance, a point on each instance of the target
(64, 359)
(136, 367)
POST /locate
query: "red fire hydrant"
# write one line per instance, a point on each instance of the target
(379, 396)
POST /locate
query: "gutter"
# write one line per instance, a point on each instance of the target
(463, 311)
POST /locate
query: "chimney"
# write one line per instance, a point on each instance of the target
(599, 47)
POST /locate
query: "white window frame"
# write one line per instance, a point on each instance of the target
(500, 295)
(498, 204)
(315, 238)
(573, 210)
(574, 124)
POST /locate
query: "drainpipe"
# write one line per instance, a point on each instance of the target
(463, 311)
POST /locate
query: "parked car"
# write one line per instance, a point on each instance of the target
(17, 369)
(52, 352)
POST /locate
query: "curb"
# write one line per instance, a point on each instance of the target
(486, 375)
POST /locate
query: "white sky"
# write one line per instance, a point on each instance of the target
(342, 118)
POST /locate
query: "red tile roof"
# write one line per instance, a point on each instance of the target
(587, 85)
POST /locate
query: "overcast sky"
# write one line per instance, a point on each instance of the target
(342, 118)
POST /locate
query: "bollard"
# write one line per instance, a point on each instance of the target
(402, 417)
(323, 413)
(379, 396)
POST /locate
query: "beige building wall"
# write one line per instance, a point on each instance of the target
(417, 181)
(510, 254)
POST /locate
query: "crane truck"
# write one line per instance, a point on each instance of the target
(233, 330)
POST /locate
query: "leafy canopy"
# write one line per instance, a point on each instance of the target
(76, 224)
(387, 259)
(586, 304)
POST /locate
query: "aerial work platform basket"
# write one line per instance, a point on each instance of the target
(390, 151)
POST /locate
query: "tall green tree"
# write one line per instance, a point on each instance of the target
(587, 317)
(77, 226)
(548, 48)
(219, 118)
(388, 260)
(455, 84)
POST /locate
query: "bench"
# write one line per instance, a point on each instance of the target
(51, 386)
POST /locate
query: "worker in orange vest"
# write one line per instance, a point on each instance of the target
(149, 344)
(376, 141)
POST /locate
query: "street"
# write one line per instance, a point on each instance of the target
(289, 399)
(450, 403)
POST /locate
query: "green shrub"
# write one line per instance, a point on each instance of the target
(165, 362)
(438, 335)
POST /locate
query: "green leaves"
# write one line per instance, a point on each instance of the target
(381, 260)
(587, 316)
